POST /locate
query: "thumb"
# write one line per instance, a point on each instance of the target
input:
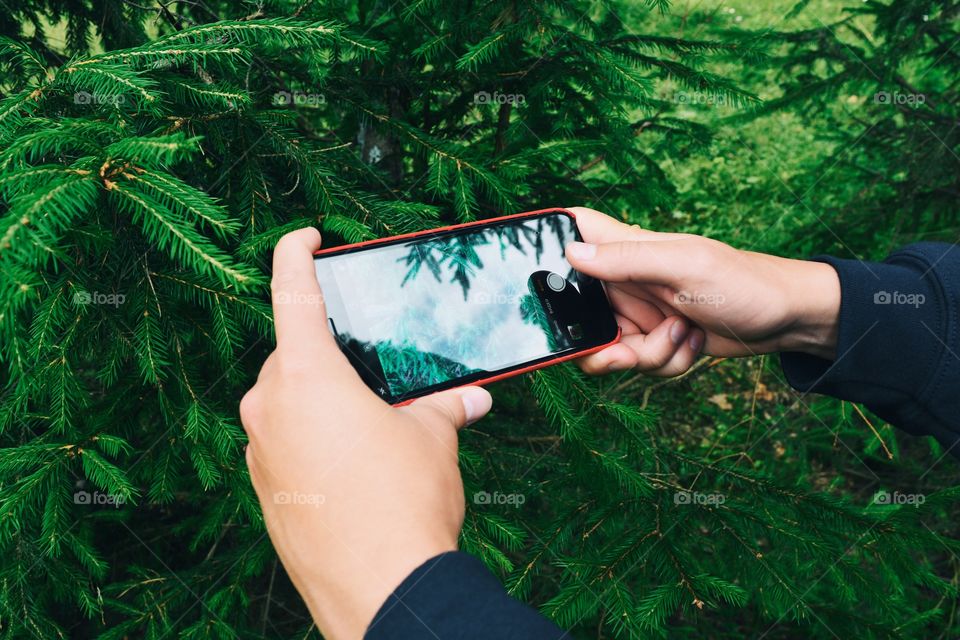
(665, 262)
(455, 407)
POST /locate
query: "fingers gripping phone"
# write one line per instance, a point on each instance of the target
(467, 304)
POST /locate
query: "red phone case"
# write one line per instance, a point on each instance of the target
(480, 223)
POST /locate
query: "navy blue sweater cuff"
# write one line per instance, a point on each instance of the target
(898, 344)
(453, 596)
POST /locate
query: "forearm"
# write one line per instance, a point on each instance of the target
(814, 298)
(344, 595)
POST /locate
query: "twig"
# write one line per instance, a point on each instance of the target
(300, 9)
(503, 121)
(646, 393)
(266, 605)
(216, 543)
(872, 428)
(256, 14)
(753, 403)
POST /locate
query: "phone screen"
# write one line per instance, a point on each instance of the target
(446, 308)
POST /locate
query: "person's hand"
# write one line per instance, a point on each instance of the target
(356, 494)
(676, 295)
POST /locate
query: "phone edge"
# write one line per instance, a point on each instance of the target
(527, 369)
(452, 227)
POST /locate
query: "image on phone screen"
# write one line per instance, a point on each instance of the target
(446, 308)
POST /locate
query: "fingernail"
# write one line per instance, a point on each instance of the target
(678, 331)
(476, 403)
(696, 341)
(582, 250)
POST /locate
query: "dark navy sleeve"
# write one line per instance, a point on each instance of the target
(898, 349)
(454, 597)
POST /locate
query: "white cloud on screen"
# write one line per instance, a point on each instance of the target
(485, 331)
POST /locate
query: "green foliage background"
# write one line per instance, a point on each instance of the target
(151, 154)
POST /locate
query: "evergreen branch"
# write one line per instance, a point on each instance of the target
(189, 200)
(549, 389)
(482, 52)
(160, 56)
(46, 213)
(106, 475)
(347, 228)
(684, 46)
(255, 313)
(152, 349)
(223, 96)
(15, 182)
(23, 56)
(276, 32)
(47, 139)
(15, 108)
(109, 81)
(154, 150)
(170, 233)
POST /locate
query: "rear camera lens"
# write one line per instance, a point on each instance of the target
(556, 282)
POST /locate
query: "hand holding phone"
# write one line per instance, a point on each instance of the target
(459, 305)
(355, 493)
(676, 294)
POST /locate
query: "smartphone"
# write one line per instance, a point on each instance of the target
(467, 304)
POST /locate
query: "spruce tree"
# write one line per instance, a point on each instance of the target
(150, 157)
(883, 78)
